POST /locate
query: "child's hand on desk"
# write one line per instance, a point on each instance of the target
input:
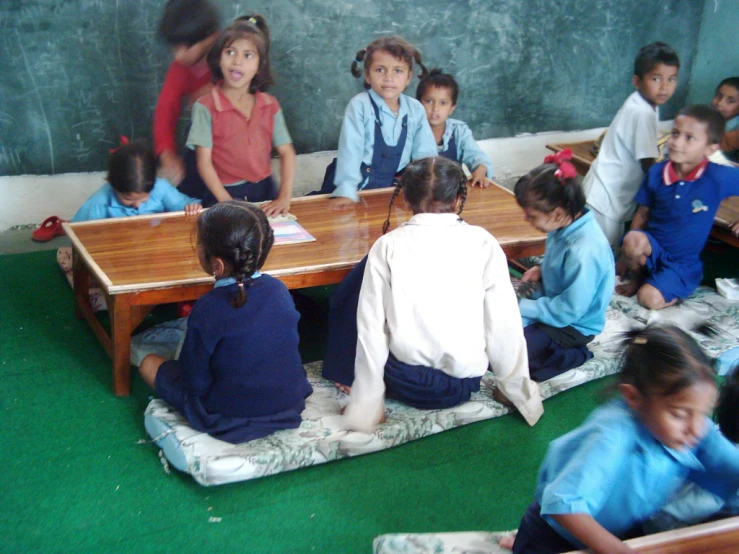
(340, 203)
(735, 228)
(479, 178)
(193, 209)
(172, 167)
(280, 206)
(533, 274)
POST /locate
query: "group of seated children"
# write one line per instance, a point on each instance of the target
(432, 308)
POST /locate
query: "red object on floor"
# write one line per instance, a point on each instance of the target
(50, 228)
(184, 308)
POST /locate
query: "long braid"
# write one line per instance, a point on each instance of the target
(386, 225)
(463, 195)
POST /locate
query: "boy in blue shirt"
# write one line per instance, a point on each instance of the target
(438, 94)
(677, 203)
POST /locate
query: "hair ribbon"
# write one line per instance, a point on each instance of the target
(562, 159)
(123, 142)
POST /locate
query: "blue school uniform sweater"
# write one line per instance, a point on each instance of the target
(243, 362)
(612, 468)
(104, 203)
(577, 279)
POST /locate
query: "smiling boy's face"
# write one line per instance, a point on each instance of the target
(689, 143)
(658, 85)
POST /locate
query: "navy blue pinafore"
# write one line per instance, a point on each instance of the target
(451, 150)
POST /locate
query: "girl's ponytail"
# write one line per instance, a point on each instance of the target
(419, 62)
(358, 58)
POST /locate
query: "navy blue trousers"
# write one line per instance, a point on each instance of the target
(536, 536)
(548, 358)
(418, 386)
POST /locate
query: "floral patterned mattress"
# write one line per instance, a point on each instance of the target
(321, 437)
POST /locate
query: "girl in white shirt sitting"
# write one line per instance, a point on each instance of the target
(436, 309)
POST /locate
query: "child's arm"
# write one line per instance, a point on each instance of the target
(424, 143)
(349, 157)
(591, 533)
(281, 205)
(474, 158)
(640, 219)
(166, 116)
(174, 201)
(201, 139)
(209, 175)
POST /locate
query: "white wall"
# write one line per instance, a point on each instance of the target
(35, 197)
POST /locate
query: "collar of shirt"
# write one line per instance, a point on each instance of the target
(670, 176)
(227, 281)
(222, 104)
(435, 220)
(382, 106)
(636, 95)
(575, 225)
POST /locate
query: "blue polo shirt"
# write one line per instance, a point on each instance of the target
(613, 469)
(104, 203)
(681, 212)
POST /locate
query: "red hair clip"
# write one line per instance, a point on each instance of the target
(562, 159)
(124, 141)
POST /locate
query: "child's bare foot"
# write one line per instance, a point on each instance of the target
(383, 418)
(507, 542)
(498, 396)
(627, 289)
(343, 388)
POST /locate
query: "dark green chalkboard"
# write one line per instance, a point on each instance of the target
(76, 74)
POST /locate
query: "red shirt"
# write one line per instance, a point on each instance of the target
(241, 147)
(181, 82)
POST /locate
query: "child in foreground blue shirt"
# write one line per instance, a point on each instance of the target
(438, 93)
(383, 130)
(576, 277)
(239, 375)
(677, 202)
(599, 483)
(133, 189)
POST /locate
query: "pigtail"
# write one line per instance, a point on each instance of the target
(244, 268)
(463, 195)
(358, 58)
(398, 188)
(417, 59)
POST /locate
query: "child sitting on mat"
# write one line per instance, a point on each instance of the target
(134, 189)
(576, 277)
(437, 93)
(429, 310)
(239, 375)
(383, 129)
(599, 483)
(236, 125)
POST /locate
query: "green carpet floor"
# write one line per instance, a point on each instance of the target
(75, 479)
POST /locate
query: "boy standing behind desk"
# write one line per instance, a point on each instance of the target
(630, 146)
(190, 27)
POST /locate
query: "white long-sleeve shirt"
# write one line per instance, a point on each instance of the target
(436, 293)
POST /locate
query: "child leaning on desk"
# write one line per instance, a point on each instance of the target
(630, 146)
(383, 129)
(429, 310)
(575, 280)
(678, 201)
(236, 125)
(438, 93)
(599, 483)
(239, 375)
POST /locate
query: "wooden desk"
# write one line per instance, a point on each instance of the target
(727, 213)
(717, 537)
(582, 157)
(143, 261)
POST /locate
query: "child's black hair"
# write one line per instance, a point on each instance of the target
(438, 79)
(431, 185)
(729, 81)
(132, 168)
(727, 409)
(239, 234)
(709, 115)
(541, 190)
(397, 47)
(188, 21)
(663, 360)
(652, 54)
(253, 28)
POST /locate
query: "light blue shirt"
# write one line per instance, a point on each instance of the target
(468, 152)
(357, 139)
(104, 203)
(577, 279)
(612, 468)
(732, 124)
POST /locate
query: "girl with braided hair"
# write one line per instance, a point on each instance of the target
(575, 280)
(383, 129)
(428, 310)
(239, 375)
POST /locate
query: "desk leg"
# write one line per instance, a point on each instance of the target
(81, 280)
(121, 323)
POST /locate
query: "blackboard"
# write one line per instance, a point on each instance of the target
(76, 74)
